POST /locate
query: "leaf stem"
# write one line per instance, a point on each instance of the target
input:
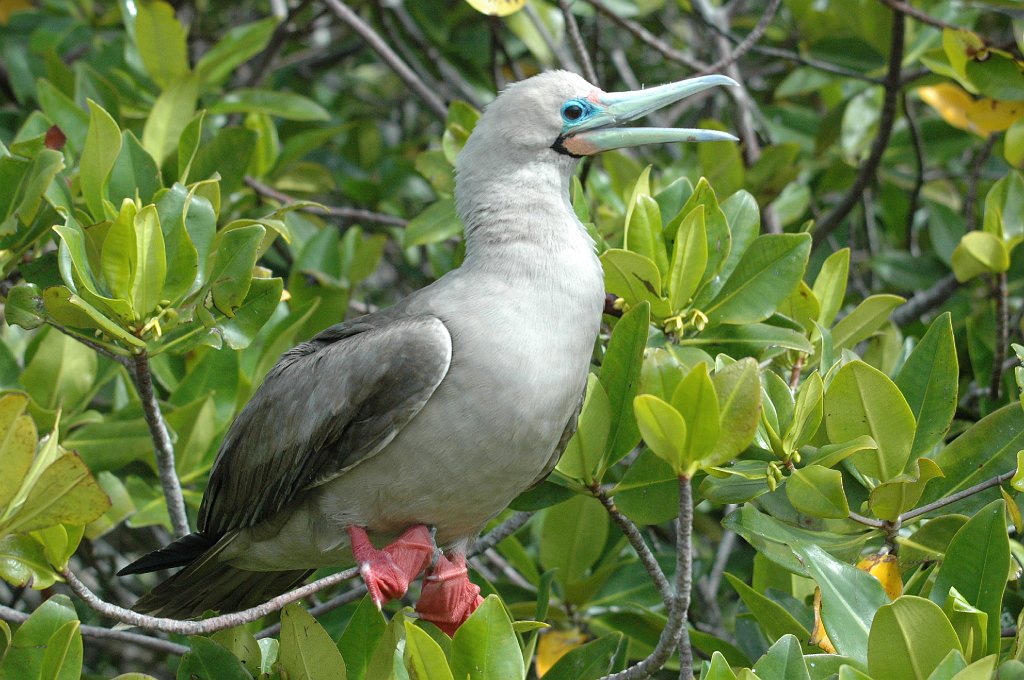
(162, 445)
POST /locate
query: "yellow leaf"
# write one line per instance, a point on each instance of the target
(555, 644)
(818, 635)
(9, 7)
(886, 569)
(961, 110)
(497, 8)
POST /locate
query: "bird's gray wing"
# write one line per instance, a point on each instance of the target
(326, 405)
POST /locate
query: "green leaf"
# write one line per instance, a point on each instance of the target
(928, 381)
(242, 645)
(830, 285)
(620, 376)
(976, 564)
(696, 401)
(360, 637)
(188, 145)
(65, 493)
(182, 255)
(102, 146)
(259, 305)
(61, 372)
(23, 564)
(1004, 209)
(900, 494)
(739, 406)
(718, 669)
(807, 413)
(988, 448)
(231, 274)
(119, 257)
(863, 401)
(29, 646)
(649, 491)
(485, 646)
(17, 444)
(208, 659)
(287, 105)
(635, 278)
(643, 231)
(423, 657)
(719, 238)
(764, 277)
(572, 537)
(818, 491)
(783, 660)
(112, 443)
(62, 659)
(978, 253)
(160, 38)
(865, 319)
(969, 623)
(150, 262)
(752, 338)
(437, 223)
(775, 620)
(583, 454)
(24, 306)
(307, 651)
(909, 638)
(235, 47)
(665, 432)
(25, 201)
(591, 661)
(63, 112)
(849, 599)
(689, 258)
(135, 173)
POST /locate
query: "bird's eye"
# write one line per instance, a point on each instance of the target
(572, 112)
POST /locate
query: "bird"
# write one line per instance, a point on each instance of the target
(413, 426)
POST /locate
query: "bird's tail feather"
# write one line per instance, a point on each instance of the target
(209, 584)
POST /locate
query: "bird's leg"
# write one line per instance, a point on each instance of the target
(448, 597)
(388, 572)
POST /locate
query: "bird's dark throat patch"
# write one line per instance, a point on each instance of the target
(559, 146)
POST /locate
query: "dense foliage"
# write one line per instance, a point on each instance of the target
(806, 356)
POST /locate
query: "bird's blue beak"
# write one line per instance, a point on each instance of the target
(592, 124)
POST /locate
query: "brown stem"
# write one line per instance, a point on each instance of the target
(163, 447)
(647, 37)
(1000, 293)
(958, 496)
(576, 40)
(354, 214)
(835, 217)
(923, 17)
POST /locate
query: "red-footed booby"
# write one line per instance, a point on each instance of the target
(435, 412)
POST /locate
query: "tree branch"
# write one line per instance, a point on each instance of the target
(731, 56)
(100, 633)
(926, 300)
(675, 632)
(1000, 293)
(162, 445)
(867, 170)
(206, 626)
(958, 496)
(648, 38)
(353, 214)
(576, 40)
(923, 17)
(501, 532)
(388, 55)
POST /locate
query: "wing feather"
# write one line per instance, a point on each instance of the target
(325, 406)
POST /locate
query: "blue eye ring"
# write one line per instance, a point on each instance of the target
(575, 110)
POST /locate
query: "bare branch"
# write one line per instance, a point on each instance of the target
(206, 626)
(926, 300)
(576, 39)
(354, 214)
(958, 496)
(162, 445)
(731, 56)
(923, 17)
(675, 632)
(866, 173)
(101, 349)
(1000, 295)
(388, 55)
(501, 532)
(98, 632)
(915, 193)
(647, 37)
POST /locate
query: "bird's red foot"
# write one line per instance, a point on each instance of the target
(388, 572)
(448, 597)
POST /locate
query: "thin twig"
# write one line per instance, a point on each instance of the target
(563, 56)
(748, 42)
(923, 17)
(122, 359)
(1000, 294)
(388, 55)
(958, 496)
(335, 602)
(162, 444)
(98, 632)
(926, 300)
(353, 214)
(501, 532)
(866, 173)
(867, 521)
(576, 40)
(206, 626)
(632, 534)
(915, 193)
(648, 38)
(675, 632)
(973, 178)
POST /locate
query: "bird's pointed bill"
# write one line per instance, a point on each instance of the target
(599, 128)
